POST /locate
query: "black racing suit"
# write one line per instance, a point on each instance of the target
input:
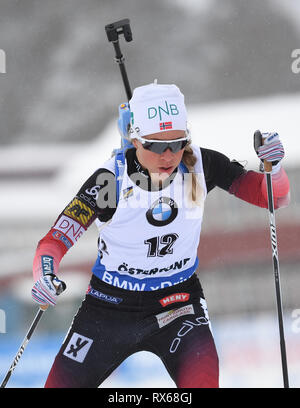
(113, 323)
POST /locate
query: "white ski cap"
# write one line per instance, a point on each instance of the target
(156, 108)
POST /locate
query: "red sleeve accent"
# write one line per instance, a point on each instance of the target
(62, 236)
(49, 246)
(251, 187)
(67, 229)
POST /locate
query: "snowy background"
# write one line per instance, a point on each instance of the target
(59, 98)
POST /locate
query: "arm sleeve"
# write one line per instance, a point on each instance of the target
(252, 188)
(95, 199)
(219, 171)
(249, 186)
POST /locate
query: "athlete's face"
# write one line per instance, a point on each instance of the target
(159, 166)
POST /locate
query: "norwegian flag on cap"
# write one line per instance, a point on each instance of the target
(165, 125)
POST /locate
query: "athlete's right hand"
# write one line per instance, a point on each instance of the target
(46, 289)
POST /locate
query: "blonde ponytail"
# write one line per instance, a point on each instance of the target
(195, 189)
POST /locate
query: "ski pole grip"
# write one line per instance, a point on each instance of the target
(267, 165)
(259, 141)
(44, 307)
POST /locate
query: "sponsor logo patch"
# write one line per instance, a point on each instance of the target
(166, 110)
(127, 192)
(186, 327)
(70, 228)
(47, 264)
(103, 296)
(78, 347)
(58, 235)
(79, 211)
(175, 297)
(167, 317)
(162, 212)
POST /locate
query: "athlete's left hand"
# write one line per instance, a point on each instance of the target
(269, 147)
(46, 289)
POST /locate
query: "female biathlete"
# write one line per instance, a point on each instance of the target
(144, 293)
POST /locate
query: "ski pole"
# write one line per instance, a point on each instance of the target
(24, 344)
(258, 141)
(113, 31)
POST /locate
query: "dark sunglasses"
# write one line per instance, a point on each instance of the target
(160, 147)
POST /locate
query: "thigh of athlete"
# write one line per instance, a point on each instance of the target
(186, 346)
(94, 346)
